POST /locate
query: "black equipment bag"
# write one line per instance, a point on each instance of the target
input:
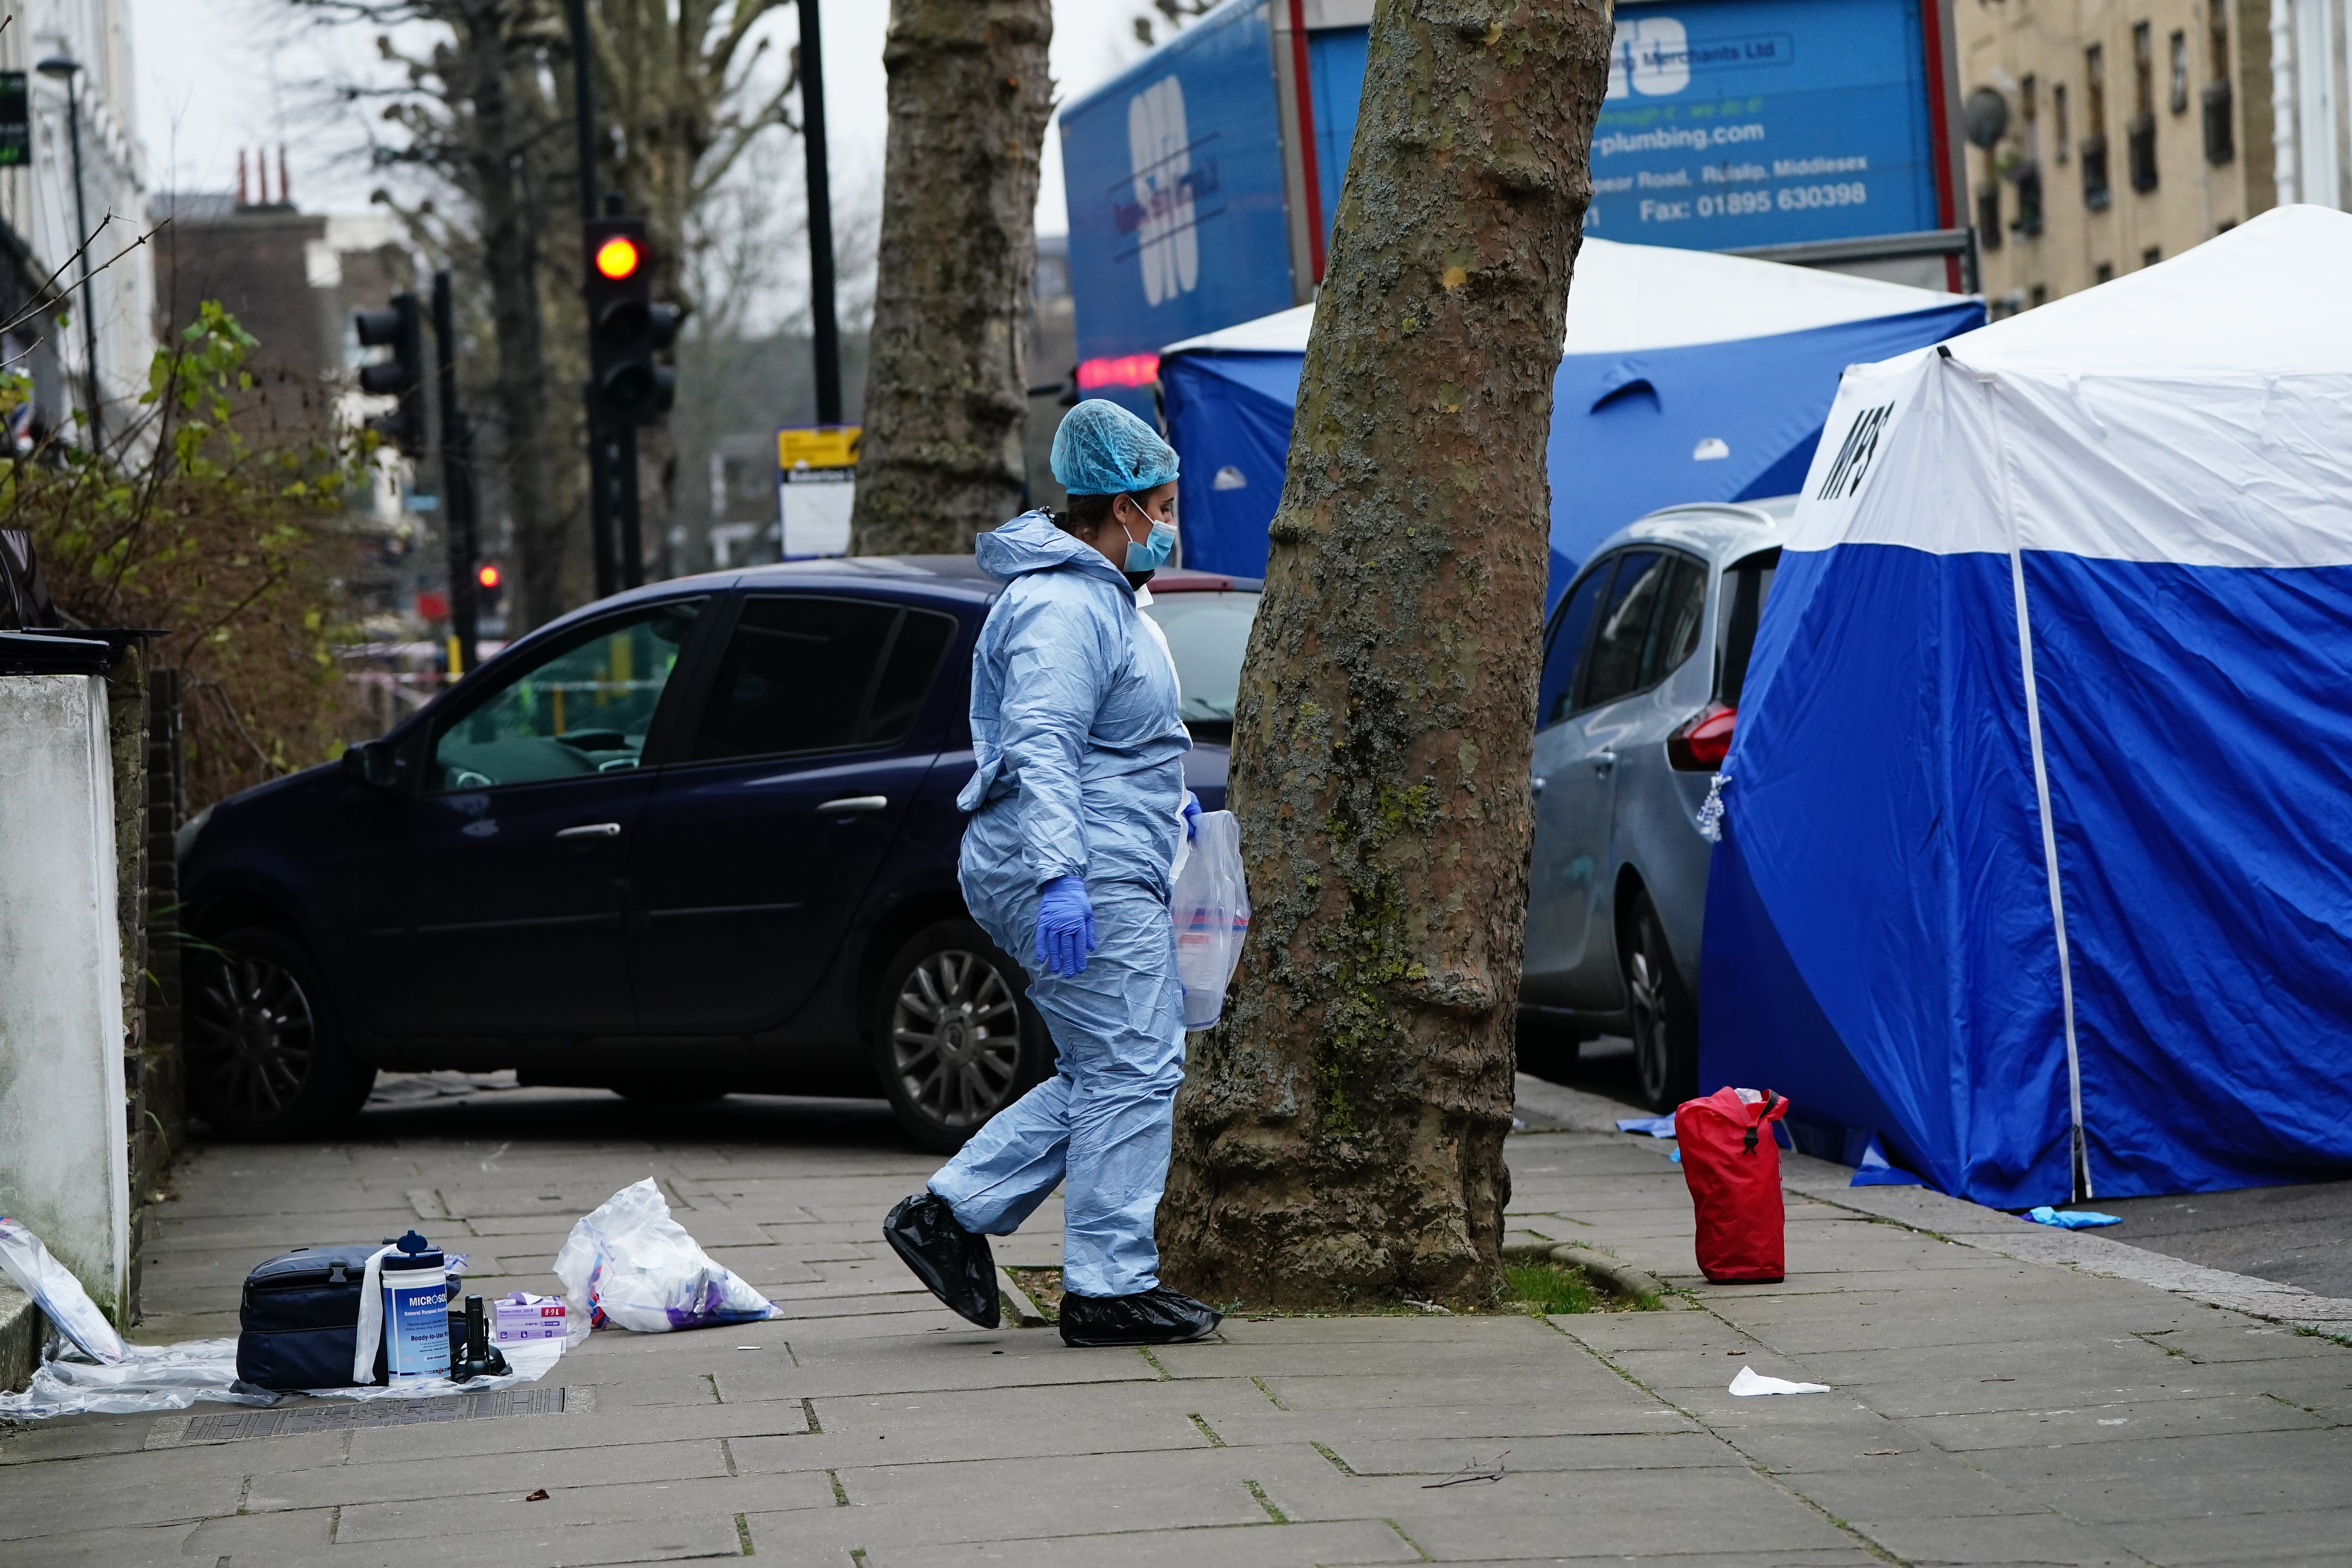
(300, 1318)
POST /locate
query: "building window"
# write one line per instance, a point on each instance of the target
(2039, 297)
(2103, 272)
(2096, 193)
(2060, 136)
(2179, 73)
(2151, 255)
(2221, 134)
(2140, 136)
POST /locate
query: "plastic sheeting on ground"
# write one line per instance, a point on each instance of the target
(1685, 376)
(172, 1377)
(2036, 858)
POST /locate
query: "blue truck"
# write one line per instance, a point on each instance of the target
(1202, 181)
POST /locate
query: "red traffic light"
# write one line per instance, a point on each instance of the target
(619, 257)
(488, 575)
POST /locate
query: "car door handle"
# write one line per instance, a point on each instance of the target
(855, 806)
(1603, 761)
(586, 831)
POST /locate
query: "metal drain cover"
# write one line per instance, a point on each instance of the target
(338, 1416)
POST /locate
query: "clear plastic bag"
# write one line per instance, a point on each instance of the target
(628, 1264)
(1210, 908)
(61, 1297)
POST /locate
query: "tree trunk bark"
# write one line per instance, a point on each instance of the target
(946, 384)
(1339, 1137)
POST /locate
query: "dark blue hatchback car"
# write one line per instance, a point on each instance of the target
(695, 838)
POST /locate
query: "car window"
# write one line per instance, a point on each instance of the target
(1673, 634)
(1613, 667)
(583, 707)
(1569, 629)
(816, 674)
(1207, 634)
(1746, 585)
(905, 676)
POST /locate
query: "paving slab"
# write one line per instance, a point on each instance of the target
(2001, 1394)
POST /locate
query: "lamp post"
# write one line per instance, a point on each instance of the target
(61, 68)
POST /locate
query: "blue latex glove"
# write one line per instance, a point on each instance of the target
(2071, 1219)
(1065, 926)
(1192, 810)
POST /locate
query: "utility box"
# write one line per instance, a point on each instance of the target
(63, 1161)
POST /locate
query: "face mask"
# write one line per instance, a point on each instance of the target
(1153, 552)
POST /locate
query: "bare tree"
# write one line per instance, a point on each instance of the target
(478, 114)
(947, 387)
(1341, 1135)
(683, 94)
(486, 115)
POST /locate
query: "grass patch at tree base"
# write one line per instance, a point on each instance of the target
(1549, 1288)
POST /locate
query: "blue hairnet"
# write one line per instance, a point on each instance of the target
(1101, 449)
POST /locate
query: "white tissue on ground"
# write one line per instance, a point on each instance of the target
(1750, 1380)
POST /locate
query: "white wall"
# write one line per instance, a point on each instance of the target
(37, 201)
(63, 1161)
(2311, 101)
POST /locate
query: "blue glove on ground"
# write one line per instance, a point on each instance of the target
(1191, 812)
(1065, 926)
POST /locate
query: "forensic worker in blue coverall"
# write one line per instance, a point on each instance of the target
(1076, 812)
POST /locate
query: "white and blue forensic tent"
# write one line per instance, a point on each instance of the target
(1687, 376)
(2038, 845)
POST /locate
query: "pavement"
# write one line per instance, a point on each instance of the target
(2001, 1394)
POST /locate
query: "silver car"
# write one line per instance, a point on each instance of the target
(1643, 661)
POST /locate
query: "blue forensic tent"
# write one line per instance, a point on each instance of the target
(1687, 376)
(2038, 848)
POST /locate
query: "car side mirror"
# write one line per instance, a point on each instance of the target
(371, 766)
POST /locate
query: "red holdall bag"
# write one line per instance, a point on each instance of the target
(1733, 1165)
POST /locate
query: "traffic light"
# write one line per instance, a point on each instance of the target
(400, 328)
(489, 583)
(627, 327)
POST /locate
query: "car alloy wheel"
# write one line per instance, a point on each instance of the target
(1662, 1020)
(253, 1041)
(955, 1039)
(1647, 1006)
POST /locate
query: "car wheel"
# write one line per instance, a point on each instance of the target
(956, 1040)
(1664, 1021)
(263, 1058)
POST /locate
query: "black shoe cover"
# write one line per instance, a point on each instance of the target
(953, 1263)
(1155, 1317)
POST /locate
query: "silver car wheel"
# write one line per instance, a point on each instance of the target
(955, 1038)
(1647, 1004)
(253, 1039)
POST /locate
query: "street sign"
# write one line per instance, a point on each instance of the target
(816, 485)
(15, 121)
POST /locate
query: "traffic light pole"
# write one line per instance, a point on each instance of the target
(824, 328)
(461, 525)
(603, 461)
(601, 465)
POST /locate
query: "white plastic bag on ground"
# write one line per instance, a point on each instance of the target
(62, 1300)
(629, 1264)
(1212, 910)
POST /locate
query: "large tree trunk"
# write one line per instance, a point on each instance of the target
(1339, 1138)
(946, 384)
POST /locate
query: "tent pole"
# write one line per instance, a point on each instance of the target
(2079, 1158)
